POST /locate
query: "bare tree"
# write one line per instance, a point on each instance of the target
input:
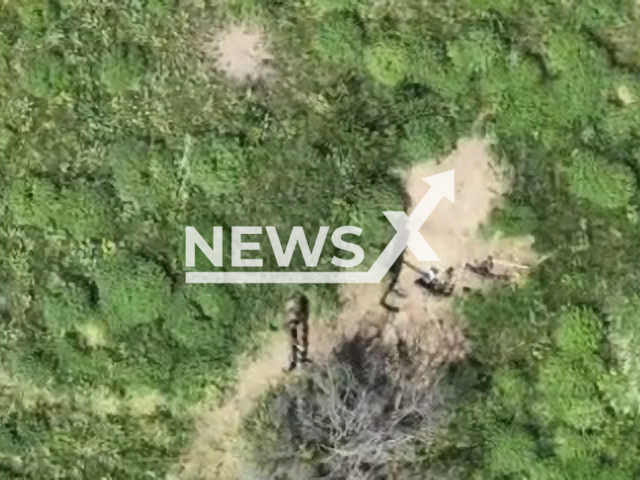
(361, 415)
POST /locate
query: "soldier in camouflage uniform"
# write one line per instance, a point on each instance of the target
(296, 319)
(485, 269)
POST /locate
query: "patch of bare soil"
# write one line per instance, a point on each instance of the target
(452, 230)
(240, 52)
(362, 309)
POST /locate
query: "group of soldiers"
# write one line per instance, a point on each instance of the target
(444, 285)
(297, 308)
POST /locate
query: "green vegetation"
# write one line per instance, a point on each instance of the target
(114, 137)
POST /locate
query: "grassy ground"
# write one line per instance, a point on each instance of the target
(115, 134)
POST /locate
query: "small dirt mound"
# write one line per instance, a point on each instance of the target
(240, 52)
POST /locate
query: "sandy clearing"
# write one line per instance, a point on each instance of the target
(240, 52)
(452, 230)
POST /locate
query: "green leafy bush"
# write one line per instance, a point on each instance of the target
(338, 40)
(387, 63)
(606, 185)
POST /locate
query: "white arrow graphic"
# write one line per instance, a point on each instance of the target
(407, 235)
(442, 185)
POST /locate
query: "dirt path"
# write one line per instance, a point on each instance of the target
(216, 451)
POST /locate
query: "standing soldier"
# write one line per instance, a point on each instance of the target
(296, 315)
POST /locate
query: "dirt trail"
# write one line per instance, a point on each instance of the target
(217, 451)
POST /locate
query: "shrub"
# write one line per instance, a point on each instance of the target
(607, 185)
(386, 63)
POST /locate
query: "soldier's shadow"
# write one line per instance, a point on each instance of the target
(395, 270)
